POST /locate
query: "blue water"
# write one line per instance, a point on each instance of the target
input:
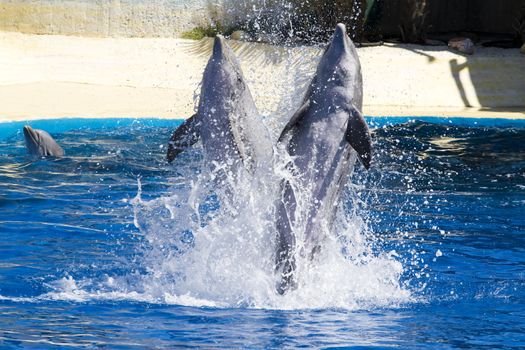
(443, 206)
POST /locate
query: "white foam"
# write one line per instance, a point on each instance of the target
(228, 259)
(195, 253)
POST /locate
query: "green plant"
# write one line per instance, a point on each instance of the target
(198, 33)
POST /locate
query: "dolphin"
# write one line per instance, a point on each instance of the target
(323, 139)
(227, 120)
(40, 143)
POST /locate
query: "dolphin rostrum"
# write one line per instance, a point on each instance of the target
(40, 143)
(322, 138)
(227, 121)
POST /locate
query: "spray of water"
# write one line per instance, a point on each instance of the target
(212, 240)
(223, 255)
(291, 22)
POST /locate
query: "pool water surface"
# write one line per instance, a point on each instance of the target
(430, 254)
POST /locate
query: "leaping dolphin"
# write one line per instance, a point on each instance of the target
(40, 143)
(322, 138)
(227, 120)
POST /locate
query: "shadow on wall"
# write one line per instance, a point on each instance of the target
(491, 79)
(490, 82)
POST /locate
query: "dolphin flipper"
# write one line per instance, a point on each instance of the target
(358, 136)
(186, 135)
(298, 115)
(357, 133)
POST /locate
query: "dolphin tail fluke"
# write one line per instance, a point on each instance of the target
(186, 135)
(358, 136)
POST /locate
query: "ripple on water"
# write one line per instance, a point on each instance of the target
(74, 269)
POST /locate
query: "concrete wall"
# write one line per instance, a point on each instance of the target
(128, 18)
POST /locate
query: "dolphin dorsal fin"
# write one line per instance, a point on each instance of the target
(186, 135)
(298, 115)
(358, 136)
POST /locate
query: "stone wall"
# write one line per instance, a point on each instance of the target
(128, 18)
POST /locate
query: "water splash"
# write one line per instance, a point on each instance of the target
(192, 249)
(215, 244)
(211, 241)
(292, 22)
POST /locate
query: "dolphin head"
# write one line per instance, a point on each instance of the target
(340, 58)
(224, 90)
(223, 74)
(339, 68)
(32, 139)
(222, 51)
(340, 41)
(40, 143)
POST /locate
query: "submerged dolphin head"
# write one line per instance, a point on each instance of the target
(40, 143)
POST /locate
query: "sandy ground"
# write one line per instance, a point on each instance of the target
(53, 76)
